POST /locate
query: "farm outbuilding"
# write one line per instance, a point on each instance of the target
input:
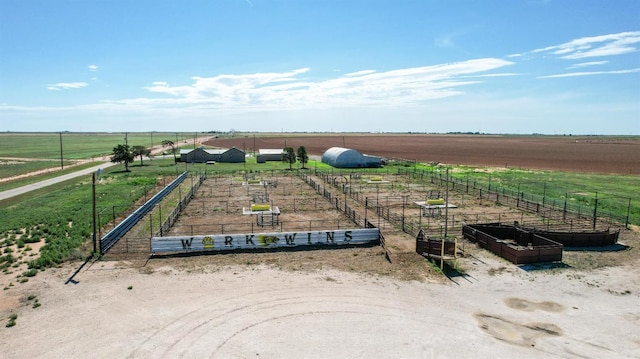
(265, 155)
(340, 157)
(203, 155)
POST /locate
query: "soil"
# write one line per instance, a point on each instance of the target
(591, 154)
(220, 307)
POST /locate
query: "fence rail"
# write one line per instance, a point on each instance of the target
(123, 227)
(175, 213)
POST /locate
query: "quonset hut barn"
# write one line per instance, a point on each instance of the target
(340, 157)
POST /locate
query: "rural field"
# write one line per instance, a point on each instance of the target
(591, 154)
(353, 302)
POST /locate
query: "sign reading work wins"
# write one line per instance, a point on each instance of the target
(263, 240)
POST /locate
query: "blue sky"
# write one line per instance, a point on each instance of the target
(554, 66)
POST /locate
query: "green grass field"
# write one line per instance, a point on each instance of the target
(617, 195)
(79, 145)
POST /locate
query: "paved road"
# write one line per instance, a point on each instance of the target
(30, 187)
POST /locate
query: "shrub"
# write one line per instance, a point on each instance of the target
(30, 272)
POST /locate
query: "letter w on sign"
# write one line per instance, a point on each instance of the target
(186, 243)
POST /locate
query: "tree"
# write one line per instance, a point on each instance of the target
(303, 158)
(140, 151)
(122, 153)
(288, 156)
(171, 144)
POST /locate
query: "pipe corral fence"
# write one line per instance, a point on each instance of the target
(355, 199)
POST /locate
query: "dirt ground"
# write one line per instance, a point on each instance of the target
(221, 307)
(593, 154)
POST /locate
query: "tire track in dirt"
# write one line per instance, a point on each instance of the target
(238, 321)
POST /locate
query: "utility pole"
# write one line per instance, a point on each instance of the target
(61, 159)
(95, 239)
(126, 145)
(595, 212)
(446, 205)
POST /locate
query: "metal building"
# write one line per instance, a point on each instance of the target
(340, 157)
(265, 155)
(203, 155)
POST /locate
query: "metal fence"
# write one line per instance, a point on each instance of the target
(182, 204)
(123, 227)
(546, 213)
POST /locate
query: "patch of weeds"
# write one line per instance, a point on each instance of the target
(330, 279)
(130, 287)
(12, 320)
(626, 292)
(24, 280)
(30, 272)
(436, 269)
(496, 271)
(31, 297)
(36, 304)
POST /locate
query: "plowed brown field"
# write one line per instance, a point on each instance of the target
(592, 154)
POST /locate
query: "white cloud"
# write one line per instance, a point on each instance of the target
(93, 68)
(595, 46)
(586, 64)
(359, 73)
(574, 74)
(66, 86)
(290, 90)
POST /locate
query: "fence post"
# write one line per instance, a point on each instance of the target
(160, 213)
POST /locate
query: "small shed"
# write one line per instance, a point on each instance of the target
(203, 155)
(266, 154)
(340, 157)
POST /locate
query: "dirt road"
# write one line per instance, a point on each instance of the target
(30, 187)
